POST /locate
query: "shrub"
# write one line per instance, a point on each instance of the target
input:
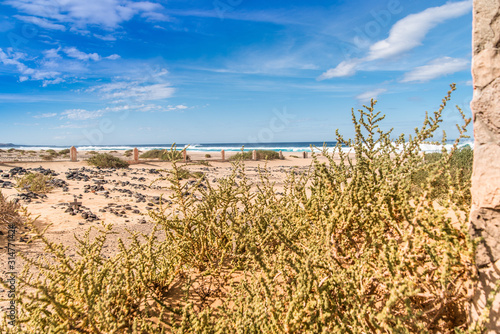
(64, 152)
(167, 155)
(35, 182)
(207, 156)
(128, 153)
(106, 160)
(261, 155)
(346, 248)
(47, 157)
(460, 172)
(9, 215)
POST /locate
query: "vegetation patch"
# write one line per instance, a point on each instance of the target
(166, 155)
(261, 155)
(9, 215)
(106, 160)
(347, 247)
(35, 182)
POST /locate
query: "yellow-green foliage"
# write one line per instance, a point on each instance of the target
(261, 155)
(348, 247)
(9, 214)
(35, 182)
(167, 155)
(107, 160)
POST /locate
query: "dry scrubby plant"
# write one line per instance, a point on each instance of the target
(9, 214)
(35, 182)
(349, 247)
(167, 155)
(106, 160)
(261, 155)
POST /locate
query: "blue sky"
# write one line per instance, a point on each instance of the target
(104, 72)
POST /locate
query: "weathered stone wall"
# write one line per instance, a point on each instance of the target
(485, 211)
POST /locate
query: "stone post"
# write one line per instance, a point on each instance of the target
(136, 154)
(72, 154)
(184, 155)
(222, 154)
(281, 155)
(254, 155)
(485, 106)
(304, 155)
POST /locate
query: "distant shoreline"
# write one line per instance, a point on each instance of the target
(212, 147)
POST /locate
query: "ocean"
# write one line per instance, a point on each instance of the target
(228, 147)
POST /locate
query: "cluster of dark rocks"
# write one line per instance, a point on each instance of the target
(6, 184)
(120, 210)
(29, 196)
(83, 211)
(77, 175)
(44, 171)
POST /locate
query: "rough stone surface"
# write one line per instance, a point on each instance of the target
(254, 155)
(72, 154)
(485, 211)
(222, 155)
(136, 154)
(486, 30)
(486, 67)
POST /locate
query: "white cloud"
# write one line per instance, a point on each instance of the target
(113, 57)
(405, 35)
(77, 54)
(107, 14)
(105, 37)
(137, 90)
(46, 115)
(344, 69)
(43, 23)
(52, 53)
(25, 72)
(409, 32)
(436, 68)
(372, 94)
(81, 114)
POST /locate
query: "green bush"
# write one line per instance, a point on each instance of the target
(128, 153)
(64, 152)
(261, 155)
(106, 160)
(460, 172)
(207, 156)
(167, 155)
(35, 182)
(347, 247)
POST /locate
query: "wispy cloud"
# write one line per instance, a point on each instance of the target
(436, 68)
(83, 114)
(13, 58)
(46, 115)
(150, 87)
(372, 94)
(344, 69)
(43, 23)
(77, 54)
(405, 35)
(104, 14)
